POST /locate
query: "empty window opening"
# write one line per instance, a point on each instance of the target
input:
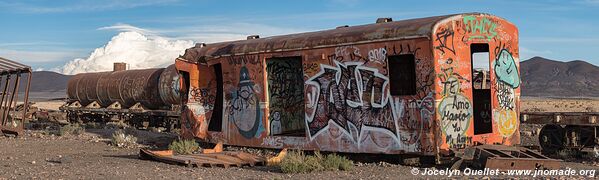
(480, 66)
(402, 74)
(286, 96)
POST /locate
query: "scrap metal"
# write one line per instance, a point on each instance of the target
(10, 75)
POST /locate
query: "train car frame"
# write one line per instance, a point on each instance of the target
(423, 86)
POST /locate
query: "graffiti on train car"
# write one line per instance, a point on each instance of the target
(479, 28)
(345, 53)
(508, 79)
(455, 108)
(378, 55)
(286, 94)
(445, 39)
(244, 108)
(351, 95)
(203, 96)
(352, 99)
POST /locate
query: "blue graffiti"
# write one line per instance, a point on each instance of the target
(506, 70)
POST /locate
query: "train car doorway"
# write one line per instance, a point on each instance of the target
(216, 121)
(286, 96)
(481, 88)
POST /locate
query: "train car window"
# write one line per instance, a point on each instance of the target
(480, 66)
(286, 96)
(402, 74)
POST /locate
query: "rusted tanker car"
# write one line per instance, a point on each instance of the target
(424, 86)
(143, 98)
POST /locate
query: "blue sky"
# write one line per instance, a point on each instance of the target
(48, 33)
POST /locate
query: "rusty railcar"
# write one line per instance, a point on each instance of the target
(423, 86)
(143, 97)
(574, 131)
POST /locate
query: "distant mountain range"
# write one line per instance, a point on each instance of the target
(549, 78)
(540, 78)
(46, 85)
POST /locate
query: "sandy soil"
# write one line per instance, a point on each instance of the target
(559, 105)
(89, 156)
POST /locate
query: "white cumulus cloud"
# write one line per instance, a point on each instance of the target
(139, 51)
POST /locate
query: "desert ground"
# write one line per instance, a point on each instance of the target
(38, 154)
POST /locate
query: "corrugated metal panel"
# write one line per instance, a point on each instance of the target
(8, 66)
(404, 29)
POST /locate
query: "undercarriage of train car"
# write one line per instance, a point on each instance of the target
(573, 131)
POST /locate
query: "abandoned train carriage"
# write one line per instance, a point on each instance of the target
(421, 86)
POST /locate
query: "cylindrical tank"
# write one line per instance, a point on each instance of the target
(170, 85)
(153, 88)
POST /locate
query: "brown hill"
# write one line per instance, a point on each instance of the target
(549, 78)
(46, 85)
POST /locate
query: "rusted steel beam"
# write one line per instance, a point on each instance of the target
(6, 84)
(12, 97)
(507, 158)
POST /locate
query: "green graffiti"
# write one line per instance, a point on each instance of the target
(480, 29)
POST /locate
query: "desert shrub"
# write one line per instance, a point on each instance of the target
(184, 146)
(336, 162)
(298, 162)
(121, 139)
(71, 129)
(295, 162)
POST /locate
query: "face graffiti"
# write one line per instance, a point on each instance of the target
(506, 70)
(244, 110)
(508, 79)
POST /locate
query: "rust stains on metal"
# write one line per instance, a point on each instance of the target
(152, 88)
(404, 29)
(223, 159)
(119, 66)
(508, 157)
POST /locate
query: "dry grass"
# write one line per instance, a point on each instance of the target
(298, 162)
(71, 129)
(121, 139)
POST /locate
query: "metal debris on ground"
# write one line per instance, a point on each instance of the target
(223, 159)
(215, 157)
(507, 157)
(10, 78)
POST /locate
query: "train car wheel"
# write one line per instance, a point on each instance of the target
(551, 138)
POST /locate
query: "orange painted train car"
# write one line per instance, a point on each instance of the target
(421, 86)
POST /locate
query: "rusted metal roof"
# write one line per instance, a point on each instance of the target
(9, 66)
(404, 29)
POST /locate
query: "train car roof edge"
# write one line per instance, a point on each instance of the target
(376, 32)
